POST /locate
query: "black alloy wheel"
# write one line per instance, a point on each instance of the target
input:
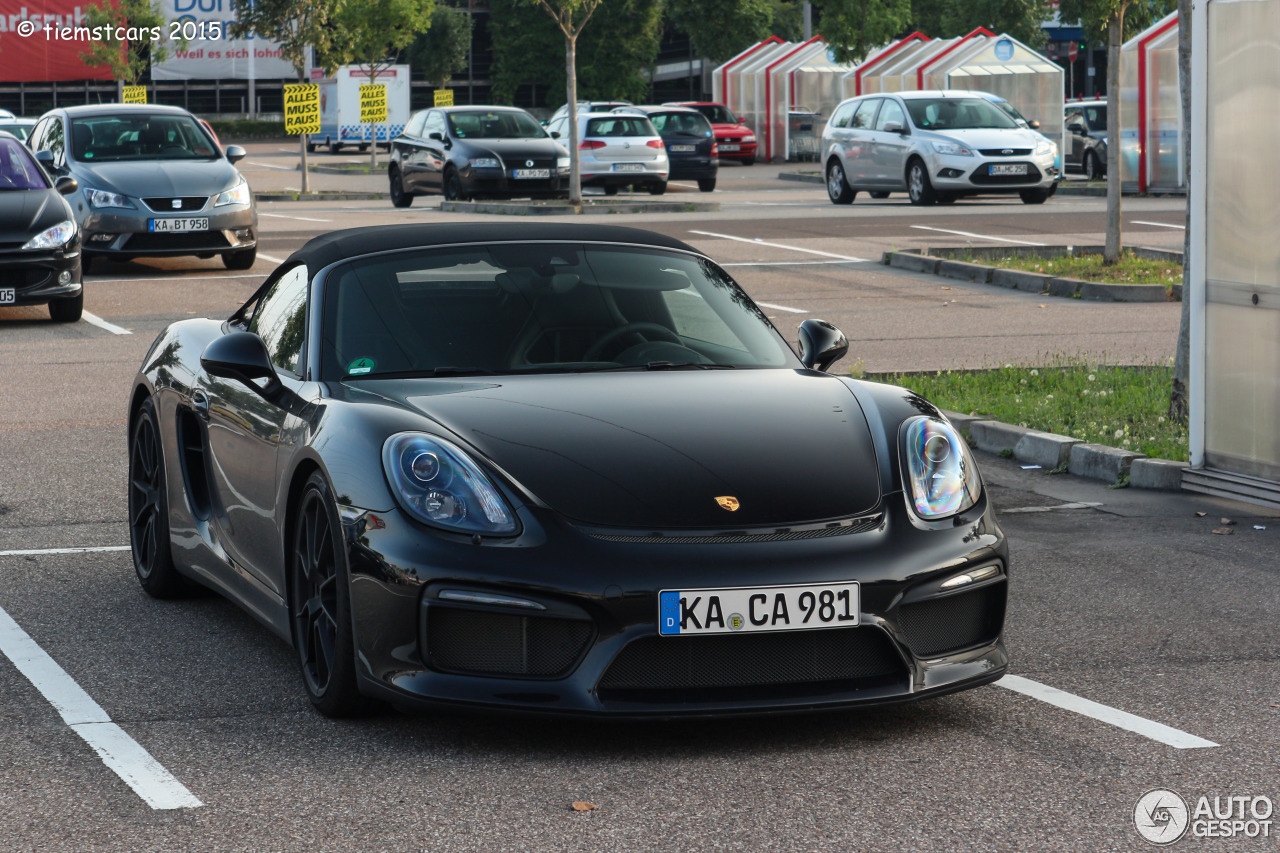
(320, 606)
(838, 189)
(919, 187)
(149, 510)
(1092, 171)
(399, 197)
(452, 186)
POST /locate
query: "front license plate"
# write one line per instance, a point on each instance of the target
(757, 609)
(628, 167)
(683, 148)
(8, 295)
(201, 224)
(732, 146)
(522, 174)
(1009, 169)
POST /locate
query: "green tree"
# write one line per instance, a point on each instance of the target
(1018, 18)
(441, 51)
(297, 26)
(127, 60)
(854, 27)
(373, 33)
(788, 20)
(704, 21)
(1111, 22)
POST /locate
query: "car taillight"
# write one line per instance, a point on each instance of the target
(654, 143)
(715, 149)
(591, 143)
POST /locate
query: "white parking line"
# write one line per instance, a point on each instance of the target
(1120, 719)
(777, 245)
(95, 320)
(1160, 224)
(121, 753)
(1075, 505)
(782, 308)
(301, 218)
(271, 258)
(269, 166)
(34, 551)
(978, 236)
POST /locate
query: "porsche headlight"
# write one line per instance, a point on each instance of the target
(1046, 148)
(942, 479)
(239, 194)
(439, 484)
(102, 198)
(52, 238)
(955, 149)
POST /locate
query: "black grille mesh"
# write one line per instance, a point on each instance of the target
(752, 660)
(1004, 152)
(165, 204)
(956, 622)
(172, 241)
(472, 641)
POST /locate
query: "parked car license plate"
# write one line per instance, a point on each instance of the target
(523, 174)
(628, 167)
(1008, 169)
(684, 149)
(730, 146)
(757, 609)
(8, 295)
(200, 224)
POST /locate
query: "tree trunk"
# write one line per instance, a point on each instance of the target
(1178, 396)
(306, 174)
(373, 143)
(571, 89)
(1115, 35)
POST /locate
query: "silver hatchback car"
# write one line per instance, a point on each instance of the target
(937, 146)
(617, 149)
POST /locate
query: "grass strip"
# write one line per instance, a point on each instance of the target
(1122, 407)
(1129, 270)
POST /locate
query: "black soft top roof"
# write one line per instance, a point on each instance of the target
(353, 242)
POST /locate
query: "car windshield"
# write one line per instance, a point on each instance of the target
(956, 114)
(139, 137)
(680, 124)
(18, 171)
(539, 308)
(494, 124)
(620, 125)
(716, 113)
(20, 130)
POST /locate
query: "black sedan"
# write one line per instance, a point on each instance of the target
(465, 152)
(563, 469)
(691, 144)
(39, 239)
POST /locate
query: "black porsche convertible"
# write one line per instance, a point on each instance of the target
(564, 469)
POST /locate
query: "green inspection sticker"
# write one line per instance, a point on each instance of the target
(360, 365)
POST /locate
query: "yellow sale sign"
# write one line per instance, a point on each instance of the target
(373, 103)
(443, 98)
(135, 94)
(301, 108)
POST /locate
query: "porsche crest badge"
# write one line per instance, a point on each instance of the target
(728, 502)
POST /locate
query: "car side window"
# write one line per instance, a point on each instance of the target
(842, 114)
(557, 126)
(280, 318)
(891, 111)
(1097, 117)
(416, 124)
(435, 124)
(55, 142)
(37, 133)
(866, 114)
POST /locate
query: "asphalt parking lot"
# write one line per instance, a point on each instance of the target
(1143, 644)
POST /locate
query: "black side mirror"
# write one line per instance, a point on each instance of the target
(821, 344)
(555, 134)
(1034, 125)
(235, 153)
(66, 185)
(242, 356)
(436, 135)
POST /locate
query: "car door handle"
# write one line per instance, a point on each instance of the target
(200, 402)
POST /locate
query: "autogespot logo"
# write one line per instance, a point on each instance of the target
(1161, 816)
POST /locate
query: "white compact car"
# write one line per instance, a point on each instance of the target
(617, 149)
(937, 146)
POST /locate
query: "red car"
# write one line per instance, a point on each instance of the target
(735, 139)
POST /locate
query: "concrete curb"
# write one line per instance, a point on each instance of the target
(1030, 282)
(965, 271)
(801, 177)
(1055, 452)
(915, 263)
(589, 208)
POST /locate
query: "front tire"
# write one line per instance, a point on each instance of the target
(320, 604)
(750, 161)
(1092, 169)
(67, 309)
(611, 190)
(658, 188)
(838, 189)
(399, 197)
(453, 186)
(241, 260)
(1034, 196)
(707, 184)
(149, 510)
(335, 147)
(919, 187)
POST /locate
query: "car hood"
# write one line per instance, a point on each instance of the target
(990, 137)
(657, 449)
(513, 150)
(25, 213)
(149, 178)
(732, 130)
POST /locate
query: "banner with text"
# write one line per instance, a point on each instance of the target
(373, 103)
(301, 108)
(211, 53)
(443, 98)
(135, 94)
(40, 44)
